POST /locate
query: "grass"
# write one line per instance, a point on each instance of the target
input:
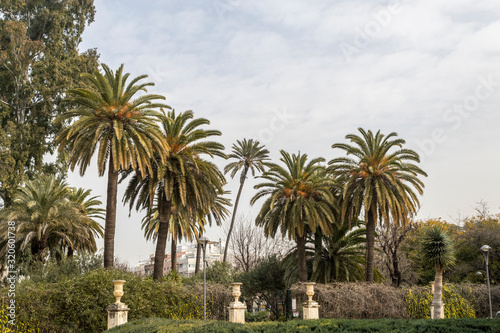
(156, 325)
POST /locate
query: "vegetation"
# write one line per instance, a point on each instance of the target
(181, 180)
(379, 179)
(51, 219)
(250, 156)
(51, 95)
(323, 325)
(341, 258)
(437, 251)
(122, 130)
(40, 60)
(298, 200)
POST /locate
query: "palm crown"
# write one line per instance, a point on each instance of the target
(182, 180)
(125, 130)
(249, 155)
(380, 178)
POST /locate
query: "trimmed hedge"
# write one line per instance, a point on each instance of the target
(154, 325)
(79, 304)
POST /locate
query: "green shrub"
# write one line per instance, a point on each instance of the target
(79, 304)
(257, 317)
(322, 325)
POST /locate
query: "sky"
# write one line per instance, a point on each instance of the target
(301, 75)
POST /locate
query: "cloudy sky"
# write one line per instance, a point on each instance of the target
(300, 75)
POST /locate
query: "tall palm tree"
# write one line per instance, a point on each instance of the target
(438, 252)
(46, 220)
(249, 155)
(183, 179)
(298, 200)
(123, 131)
(379, 178)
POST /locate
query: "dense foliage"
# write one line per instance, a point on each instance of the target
(39, 61)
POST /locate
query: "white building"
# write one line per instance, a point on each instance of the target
(186, 259)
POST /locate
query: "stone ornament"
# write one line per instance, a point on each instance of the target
(118, 292)
(236, 308)
(310, 308)
(118, 311)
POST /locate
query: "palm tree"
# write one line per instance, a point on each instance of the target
(251, 156)
(379, 178)
(90, 209)
(341, 257)
(181, 226)
(298, 200)
(182, 180)
(124, 131)
(46, 220)
(437, 251)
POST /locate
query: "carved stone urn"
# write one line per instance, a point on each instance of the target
(310, 309)
(118, 292)
(236, 308)
(310, 290)
(236, 291)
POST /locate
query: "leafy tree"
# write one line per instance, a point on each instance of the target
(298, 199)
(122, 129)
(249, 155)
(477, 231)
(39, 61)
(264, 282)
(182, 179)
(46, 220)
(437, 251)
(379, 178)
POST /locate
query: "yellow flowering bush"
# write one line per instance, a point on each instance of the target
(418, 303)
(6, 327)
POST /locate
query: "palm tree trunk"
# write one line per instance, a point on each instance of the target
(173, 254)
(242, 182)
(70, 252)
(370, 245)
(110, 224)
(198, 258)
(42, 246)
(438, 295)
(318, 248)
(301, 258)
(318, 244)
(161, 242)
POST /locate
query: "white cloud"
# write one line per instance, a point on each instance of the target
(238, 63)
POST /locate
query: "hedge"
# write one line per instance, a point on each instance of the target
(78, 304)
(154, 325)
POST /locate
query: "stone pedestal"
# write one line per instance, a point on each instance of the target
(118, 311)
(236, 308)
(117, 314)
(310, 309)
